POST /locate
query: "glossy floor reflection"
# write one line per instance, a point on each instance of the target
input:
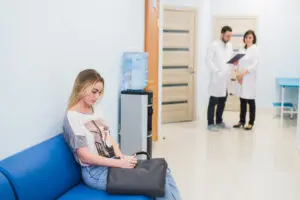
(263, 164)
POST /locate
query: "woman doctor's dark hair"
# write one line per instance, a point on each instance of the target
(250, 32)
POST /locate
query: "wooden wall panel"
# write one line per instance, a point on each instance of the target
(152, 47)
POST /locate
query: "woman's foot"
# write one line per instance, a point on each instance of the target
(238, 125)
(248, 127)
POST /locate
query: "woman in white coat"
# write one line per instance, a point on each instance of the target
(246, 78)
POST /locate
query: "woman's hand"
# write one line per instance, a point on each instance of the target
(242, 74)
(240, 81)
(128, 162)
(239, 78)
(105, 127)
(130, 157)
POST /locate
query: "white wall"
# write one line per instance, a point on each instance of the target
(278, 32)
(44, 44)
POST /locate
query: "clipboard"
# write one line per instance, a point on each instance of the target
(235, 58)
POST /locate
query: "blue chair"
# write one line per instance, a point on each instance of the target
(49, 171)
(288, 108)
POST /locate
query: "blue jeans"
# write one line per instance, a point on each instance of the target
(96, 177)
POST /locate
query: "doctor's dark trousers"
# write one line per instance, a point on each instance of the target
(220, 103)
(243, 110)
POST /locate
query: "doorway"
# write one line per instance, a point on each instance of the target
(179, 64)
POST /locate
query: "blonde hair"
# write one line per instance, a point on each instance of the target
(84, 79)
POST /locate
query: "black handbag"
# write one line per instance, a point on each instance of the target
(147, 178)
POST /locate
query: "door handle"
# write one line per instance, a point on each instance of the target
(191, 70)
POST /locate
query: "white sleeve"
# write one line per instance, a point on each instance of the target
(74, 132)
(241, 51)
(253, 56)
(210, 57)
(231, 50)
(231, 54)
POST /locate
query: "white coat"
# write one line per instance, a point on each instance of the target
(218, 54)
(249, 62)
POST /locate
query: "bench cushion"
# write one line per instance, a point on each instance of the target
(82, 192)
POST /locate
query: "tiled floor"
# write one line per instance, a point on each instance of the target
(263, 164)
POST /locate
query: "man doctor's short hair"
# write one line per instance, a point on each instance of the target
(226, 29)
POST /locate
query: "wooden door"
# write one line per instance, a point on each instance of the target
(179, 51)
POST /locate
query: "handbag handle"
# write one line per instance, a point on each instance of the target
(143, 153)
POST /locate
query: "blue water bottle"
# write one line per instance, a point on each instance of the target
(134, 71)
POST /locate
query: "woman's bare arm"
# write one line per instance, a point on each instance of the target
(86, 157)
(116, 147)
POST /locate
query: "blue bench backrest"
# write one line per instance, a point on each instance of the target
(6, 191)
(45, 171)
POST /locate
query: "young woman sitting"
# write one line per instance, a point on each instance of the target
(89, 138)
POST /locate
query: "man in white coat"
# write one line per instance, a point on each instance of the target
(216, 60)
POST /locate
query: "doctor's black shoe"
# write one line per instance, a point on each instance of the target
(238, 125)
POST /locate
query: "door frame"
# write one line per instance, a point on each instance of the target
(215, 17)
(195, 60)
(152, 11)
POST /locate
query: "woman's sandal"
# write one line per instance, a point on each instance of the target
(248, 127)
(238, 125)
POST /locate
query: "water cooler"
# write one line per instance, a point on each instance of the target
(136, 121)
